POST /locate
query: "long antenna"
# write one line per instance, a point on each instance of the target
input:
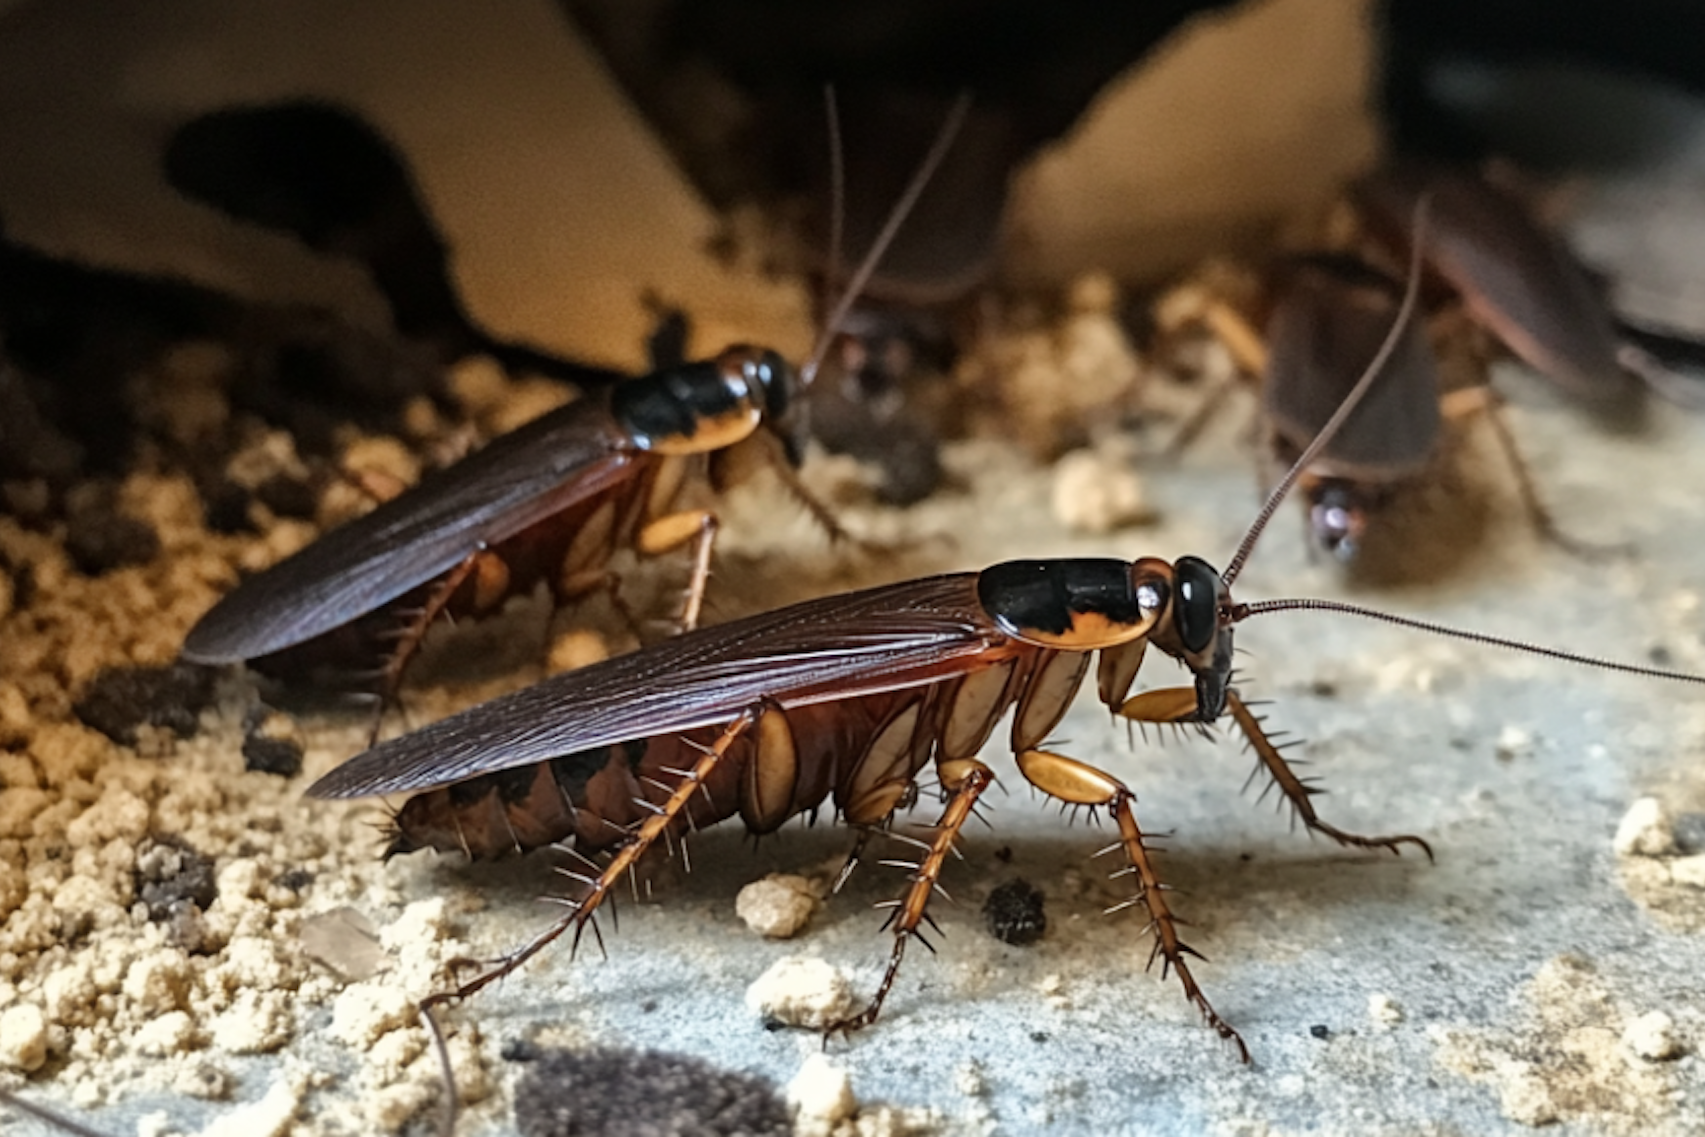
(897, 217)
(1242, 612)
(1411, 295)
(837, 194)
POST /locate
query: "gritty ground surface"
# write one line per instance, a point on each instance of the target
(1486, 993)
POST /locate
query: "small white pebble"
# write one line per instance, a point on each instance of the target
(23, 1037)
(801, 991)
(822, 1090)
(1514, 742)
(1689, 871)
(1384, 1010)
(1094, 492)
(1645, 830)
(1652, 1037)
(165, 1035)
(779, 906)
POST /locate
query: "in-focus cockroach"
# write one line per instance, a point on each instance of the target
(850, 698)
(552, 501)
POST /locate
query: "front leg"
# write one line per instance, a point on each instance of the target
(1299, 792)
(1078, 783)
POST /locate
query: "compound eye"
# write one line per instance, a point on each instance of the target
(1198, 606)
(772, 374)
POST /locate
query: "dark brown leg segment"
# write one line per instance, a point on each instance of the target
(1298, 792)
(412, 635)
(966, 780)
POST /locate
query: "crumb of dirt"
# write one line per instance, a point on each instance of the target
(1385, 1011)
(1062, 383)
(1014, 913)
(170, 872)
(1645, 830)
(23, 1037)
(121, 699)
(1689, 871)
(271, 743)
(802, 991)
(271, 1116)
(1653, 1036)
(1097, 491)
(365, 1011)
(630, 1093)
(822, 1091)
(1563, 1059)
(779, 906)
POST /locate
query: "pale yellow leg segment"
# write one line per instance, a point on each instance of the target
(1298, 792)
(580, 912)
(1078, 783)
(673, 531)
(965, 780)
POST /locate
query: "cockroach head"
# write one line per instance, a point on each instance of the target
(1196, 630)
(768, 372)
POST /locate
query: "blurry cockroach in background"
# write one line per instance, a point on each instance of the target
(851, 697)
(551, 501)
(1491, 271)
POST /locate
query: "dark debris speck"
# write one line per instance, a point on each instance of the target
(288, 497)
(99, 540)
(643, 1093)
(270, 743)
(1014, 913)
(170, 872)
(1320, 1031)
(295, 879)
(225, 505)
(120, 699)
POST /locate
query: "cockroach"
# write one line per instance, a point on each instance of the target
(849, 698)
(552, 500)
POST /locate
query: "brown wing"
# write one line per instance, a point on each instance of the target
(857, 643)
(519, 479)
(1517, 279)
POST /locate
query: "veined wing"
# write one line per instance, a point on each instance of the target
(522, 477)
(856, 643)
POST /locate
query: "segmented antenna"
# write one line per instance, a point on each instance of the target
(1411, 295)
(897, 217)
(837, 193)
(1242, 612)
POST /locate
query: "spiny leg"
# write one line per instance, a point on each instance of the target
(1298, 792)
(1078, 783)
(673, 531)
(965, 781)
(579, 913)
(412, 635)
